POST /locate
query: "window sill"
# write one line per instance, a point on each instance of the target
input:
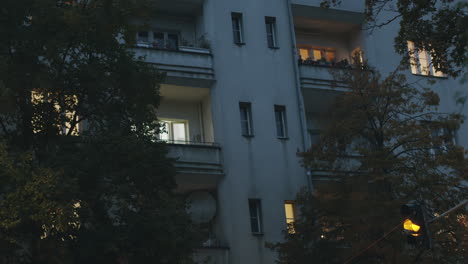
(283, 138)
(273, 48)
(258, 234)
(248, 136)
(239, 43)
(429, 76)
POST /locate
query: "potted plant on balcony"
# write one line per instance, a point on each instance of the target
(202, 46)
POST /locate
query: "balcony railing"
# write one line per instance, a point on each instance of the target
(184, 65)
(199, 165)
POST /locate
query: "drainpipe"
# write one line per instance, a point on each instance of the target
(302, 119)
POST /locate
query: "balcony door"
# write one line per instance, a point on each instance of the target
(174, 131)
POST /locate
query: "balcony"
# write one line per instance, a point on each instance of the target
(199, 165)
(175, 41)
(354, 9)
(185, 66)
(185, 113)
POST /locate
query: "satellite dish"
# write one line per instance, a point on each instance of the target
(202, 207)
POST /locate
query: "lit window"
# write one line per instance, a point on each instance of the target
(68, 118)
(174, 131)
(304, 53)
(290, 216)
(158, 39)
(237, 28)
(246, 118)
(324, 54)
(270, 23)
(318, 54)
(255, 209)
(421, 61)
(280, 118)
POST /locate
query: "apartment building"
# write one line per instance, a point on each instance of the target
(246, 82)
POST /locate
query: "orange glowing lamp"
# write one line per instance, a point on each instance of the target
(412, 227)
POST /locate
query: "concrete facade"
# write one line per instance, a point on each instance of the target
(206, 83)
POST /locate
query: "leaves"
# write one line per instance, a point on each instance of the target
(384, 144)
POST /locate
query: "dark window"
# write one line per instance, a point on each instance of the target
(158, 40)
(280, 118)
(270, 23)
(237, 28)
(143, 36)
(246, 118)
(255, 210)
(172, 41)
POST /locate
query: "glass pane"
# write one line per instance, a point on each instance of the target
(304, 53)
(172, 41)
(178, 132)
(317, 54)
(254, 225)
(424, 62)
(269, 28)
(279, 123)
(158, 40)
(236, 29)
(254, 208)
(330, 55)
(164, 135)
(244, 116)
(142, 36)
(289, 210)
(413, 58)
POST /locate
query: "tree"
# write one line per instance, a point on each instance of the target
(438, 26)
(384, 144)
(82, 175)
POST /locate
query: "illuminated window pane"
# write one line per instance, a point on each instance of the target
(330, 55)
(178, 130)
(413, 58)
(424, 62)
(289, 212)
(304, 53)
(164, 135)
(317, 54)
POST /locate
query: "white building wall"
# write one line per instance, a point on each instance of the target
(263, 166)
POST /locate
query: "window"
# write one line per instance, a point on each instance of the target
(421, 62)
(237, 28)
(318, 54)
(255, 209)
(270, 23)
(280, 118)
(289, 210)
(246, 119)
(158, 39)
(66, 117)
(174, 131)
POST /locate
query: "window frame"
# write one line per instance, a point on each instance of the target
(150, 43)
(255, 205)
(290, 220)
(237, 28)
(270, 24)
(419, 55)
(324, 51)
(281, 125)
(170, 130)
(247, 107)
